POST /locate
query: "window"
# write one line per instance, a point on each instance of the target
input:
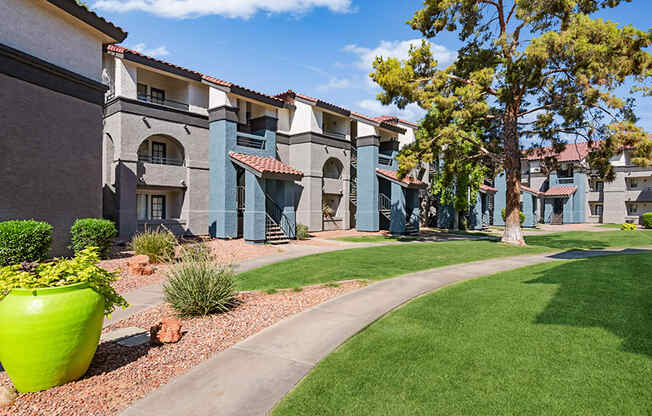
(141, 91)
(159, 152)
(141, 206)
(597, 186)
(158, 207)
(597, 210)
(633, 184)
(158, 96)
(565, 173)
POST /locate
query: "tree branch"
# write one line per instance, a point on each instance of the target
(543, 107)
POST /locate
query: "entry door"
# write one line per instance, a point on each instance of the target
(557, 211)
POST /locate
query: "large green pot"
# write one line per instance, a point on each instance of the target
(48, 336)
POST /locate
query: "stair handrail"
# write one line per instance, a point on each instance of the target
(384, 202)
(275, 213)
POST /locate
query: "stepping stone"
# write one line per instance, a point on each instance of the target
(127, 337)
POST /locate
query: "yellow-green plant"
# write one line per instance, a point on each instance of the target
(158, 244)
(628, 227)
(62, 272)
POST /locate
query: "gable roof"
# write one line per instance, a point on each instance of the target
(560, 191)
(572, 153)
(266, 165)
(90, 18)
(407, 181)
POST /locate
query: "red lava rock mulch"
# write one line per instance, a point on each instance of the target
(129, 282)
(119, 375)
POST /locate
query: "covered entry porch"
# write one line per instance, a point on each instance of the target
(398, 202)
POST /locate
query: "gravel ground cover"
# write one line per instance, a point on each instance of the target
(119, 375)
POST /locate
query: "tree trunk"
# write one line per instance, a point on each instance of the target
(513, 233)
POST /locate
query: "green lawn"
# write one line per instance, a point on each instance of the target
(373, 263)
(608, 226)
(374, 239)
(566, 338)
(383, 262)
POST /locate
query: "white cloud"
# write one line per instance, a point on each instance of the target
(397, 49)
(374, 108)
(243, 9)
(336, 83)
(155, 52)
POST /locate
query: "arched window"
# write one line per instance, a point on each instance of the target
(332, 169)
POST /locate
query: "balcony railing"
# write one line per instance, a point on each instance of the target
(164, 102)
(250, 140)
(384, 161)
(335, 134)
(565, 181)
(156, 160)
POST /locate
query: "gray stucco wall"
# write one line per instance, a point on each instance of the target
(127, 131)
(50, 157)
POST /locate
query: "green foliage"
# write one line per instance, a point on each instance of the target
(628, 227)
(93, 232)
(504, 215)
(157, 244)
(22, 241)
(63, 272)
(647, 220)
(302, 232)
(198, 286)
(535, 70)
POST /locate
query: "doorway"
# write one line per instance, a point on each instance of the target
(557, 211)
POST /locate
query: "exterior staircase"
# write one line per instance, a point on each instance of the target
(274, 234)
(385, 206)
(353, 186)
(411, 230)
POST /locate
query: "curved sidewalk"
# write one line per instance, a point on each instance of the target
(253, 375)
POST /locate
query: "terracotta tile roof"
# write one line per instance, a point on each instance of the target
(488, 188)
(572, 152)
(530, 190)
(289, 96)
(560, 191)
(265, 164)
(122, 49)
(408, 180)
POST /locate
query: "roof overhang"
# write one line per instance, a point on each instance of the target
(411, 183)
(114, 33)
(265, 174)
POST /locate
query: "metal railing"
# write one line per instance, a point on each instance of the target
(250, 140)
(164, 102)
(335, 134)
(384, 203)
(384, 161)
(241, 198)
(565, 181)
(156, 160)
(354, 158)
(277, 216)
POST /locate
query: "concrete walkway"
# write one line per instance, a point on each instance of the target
(253, 375)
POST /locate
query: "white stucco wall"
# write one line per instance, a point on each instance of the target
(365, 129)
(306, 118)
(408, 137)
(618, 160)
(42, 30)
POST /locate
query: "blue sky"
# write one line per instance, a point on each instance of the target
(321, 48)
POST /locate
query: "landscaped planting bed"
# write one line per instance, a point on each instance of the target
(119, 375)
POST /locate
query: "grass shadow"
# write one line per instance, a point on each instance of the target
(613, 293)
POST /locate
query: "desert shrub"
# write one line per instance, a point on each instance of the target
(157, 244)
(92, 232)
(628, 227)
(647, 220)
(62, 272)
(24, 241)
(302, 232)
(197, 286)
(504, 215)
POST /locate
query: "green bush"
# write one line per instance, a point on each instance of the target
(504, 215)
(302, 232)
(92, 232)
(628, 227)
(198, 286)
(62, 272)
(157, 244)
(22, 241)
(647, 220)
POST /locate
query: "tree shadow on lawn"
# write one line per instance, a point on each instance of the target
(613, 293)
(555, 241)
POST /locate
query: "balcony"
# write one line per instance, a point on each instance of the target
(164, 102)
(566, 181)
(335, 134)
(333, 186)
(161, 174)
(384, 161)
(595, 196)
(156, 160)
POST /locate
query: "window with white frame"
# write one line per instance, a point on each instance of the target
(150, 207)
(597, 209)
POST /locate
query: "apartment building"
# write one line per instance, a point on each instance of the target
(51, 101)
(200, 155)
(574, 194)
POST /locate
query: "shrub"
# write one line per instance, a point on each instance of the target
(24, 241)
(504, 215)
(302, 232)
(157, 244)
(92, 232)
(197, 286)
(647, 220)
(62, 272)
(628, 227)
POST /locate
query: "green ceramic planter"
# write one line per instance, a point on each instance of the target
(48, 336)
